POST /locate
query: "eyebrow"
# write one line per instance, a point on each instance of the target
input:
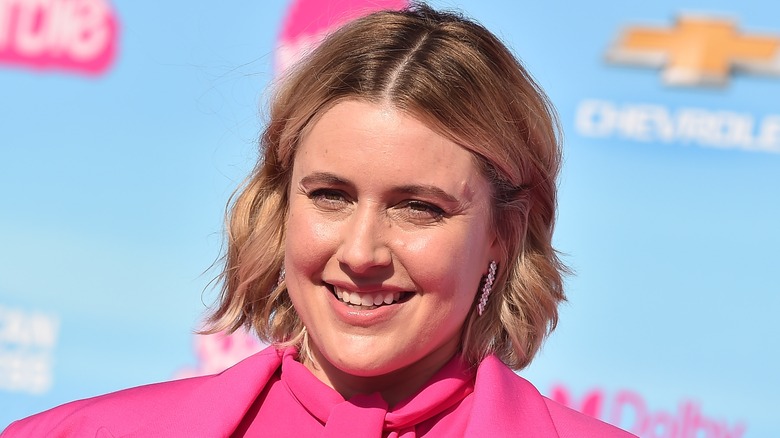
(327, 178)
(427, 191)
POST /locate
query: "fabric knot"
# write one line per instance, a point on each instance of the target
(368, 415)
(361, 415)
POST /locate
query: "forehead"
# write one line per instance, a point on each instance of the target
(385, 143)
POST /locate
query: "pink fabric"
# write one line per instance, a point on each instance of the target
(296, 397)
(502, 404)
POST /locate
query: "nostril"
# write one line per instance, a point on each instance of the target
(363, 249)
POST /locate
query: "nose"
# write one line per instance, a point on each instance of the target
(363, 245)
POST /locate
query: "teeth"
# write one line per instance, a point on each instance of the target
(354, 298)
(367, 300)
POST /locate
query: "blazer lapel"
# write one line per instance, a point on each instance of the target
(217, 406)
(506, 405)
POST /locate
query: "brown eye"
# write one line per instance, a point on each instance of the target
(328, 198)
(424, 210)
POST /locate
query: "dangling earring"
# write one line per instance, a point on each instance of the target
(487, 287)
(281, 278)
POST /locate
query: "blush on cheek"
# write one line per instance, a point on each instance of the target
(309, 244)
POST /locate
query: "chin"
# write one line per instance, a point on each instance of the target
(370, 367)
(366, 361)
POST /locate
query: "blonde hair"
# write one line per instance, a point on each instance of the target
(457, 77)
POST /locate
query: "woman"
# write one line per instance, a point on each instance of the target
(393, 243)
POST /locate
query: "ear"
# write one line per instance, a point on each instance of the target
(494, 251)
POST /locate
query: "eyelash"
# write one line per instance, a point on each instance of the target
(418, 208)
(327, 195)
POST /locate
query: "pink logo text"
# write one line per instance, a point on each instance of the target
(628, 410)
(71, 35)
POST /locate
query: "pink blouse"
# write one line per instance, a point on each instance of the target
(295, 403)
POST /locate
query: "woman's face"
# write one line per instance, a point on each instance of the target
(388, 237)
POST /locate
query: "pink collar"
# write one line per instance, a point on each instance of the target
(368, 415)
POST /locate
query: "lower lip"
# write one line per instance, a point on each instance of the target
(363, 318)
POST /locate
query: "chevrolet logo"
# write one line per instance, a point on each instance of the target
(698, 51)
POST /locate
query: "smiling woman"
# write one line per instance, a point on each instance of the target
(393, 244)
(383, 207)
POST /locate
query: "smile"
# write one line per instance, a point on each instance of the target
(368, 301)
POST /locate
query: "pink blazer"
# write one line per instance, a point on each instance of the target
(505, 405)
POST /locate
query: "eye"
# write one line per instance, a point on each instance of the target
(421, 210)
(330, 199)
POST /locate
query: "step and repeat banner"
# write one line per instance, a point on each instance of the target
(125, 126)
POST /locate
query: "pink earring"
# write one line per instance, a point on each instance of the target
(487, 287)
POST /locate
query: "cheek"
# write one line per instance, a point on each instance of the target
(310, 240)
(456, 248)
(416, 246)
(449, 263)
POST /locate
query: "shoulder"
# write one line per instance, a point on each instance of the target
(128, 406)
(571, 423)
(511, 403)
(158, 404)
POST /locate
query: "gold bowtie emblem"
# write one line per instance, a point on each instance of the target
(698, 51)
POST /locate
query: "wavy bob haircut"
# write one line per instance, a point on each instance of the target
(460, 80)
